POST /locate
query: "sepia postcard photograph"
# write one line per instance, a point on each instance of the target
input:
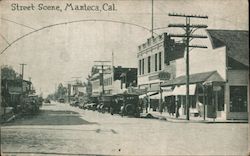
(124, 77)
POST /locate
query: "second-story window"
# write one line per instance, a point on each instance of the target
(142, 66)
(160, 61)
(156, 62)
(139, 67)
(149, 66)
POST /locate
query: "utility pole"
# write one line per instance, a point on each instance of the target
(22, 66)
(102, 70)
(152, 20)
(22, 76)
(188, 36)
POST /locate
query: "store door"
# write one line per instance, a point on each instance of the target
(238, 98)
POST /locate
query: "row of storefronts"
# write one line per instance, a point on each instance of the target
(218, 74)
(115, 80)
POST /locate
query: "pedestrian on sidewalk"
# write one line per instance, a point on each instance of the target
(141, 105)
(145, 100)
(162, 106)
(172, 107)
(199, 108)
(178, 105)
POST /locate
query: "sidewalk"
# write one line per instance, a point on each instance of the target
(182, 119)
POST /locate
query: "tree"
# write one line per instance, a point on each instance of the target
(94, 70)
(61, 91)
(7, 72)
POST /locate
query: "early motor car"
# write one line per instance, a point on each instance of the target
(126, 104)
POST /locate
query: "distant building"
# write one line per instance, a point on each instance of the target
(78, 89)
(12, 92)
(115, 80)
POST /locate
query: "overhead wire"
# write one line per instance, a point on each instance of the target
(76, 21)
(17, 23)
(4, 39)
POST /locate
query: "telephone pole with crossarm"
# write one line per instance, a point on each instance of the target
(102, 65)
(188, 36)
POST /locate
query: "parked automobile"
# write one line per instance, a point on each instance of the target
(105, 102)
(90, 106)
(93, 106)
(74, 103)
(47, 101)
(40, 100)
(31, 104)
(99, 107)
(61, 100)
(127, 104)
(81, 105)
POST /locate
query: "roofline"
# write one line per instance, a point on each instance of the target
(226, 30)
(211, 40)
(212, 72)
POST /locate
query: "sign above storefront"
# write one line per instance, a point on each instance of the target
(164, 76)
(160, 76)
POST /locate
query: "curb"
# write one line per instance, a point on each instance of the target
(13, 117)
(180, 120)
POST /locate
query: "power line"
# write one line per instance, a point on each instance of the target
(76, 21)
(4, 39)
(18, 23)
(188, 36)
(187, 16)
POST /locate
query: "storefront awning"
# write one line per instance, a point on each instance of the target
(158, 96)
(195, 78)
(181, 90)
(148, 94)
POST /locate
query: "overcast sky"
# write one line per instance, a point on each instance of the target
(56, 54)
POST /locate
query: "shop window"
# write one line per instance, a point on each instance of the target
(238, 98)
(192, 101)
(214, 97)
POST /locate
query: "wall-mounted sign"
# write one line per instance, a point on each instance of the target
(164, 76)
(160, 76)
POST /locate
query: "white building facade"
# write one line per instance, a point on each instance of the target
(218, 74)
(156, 62)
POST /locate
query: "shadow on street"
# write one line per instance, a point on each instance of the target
(49, 117)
